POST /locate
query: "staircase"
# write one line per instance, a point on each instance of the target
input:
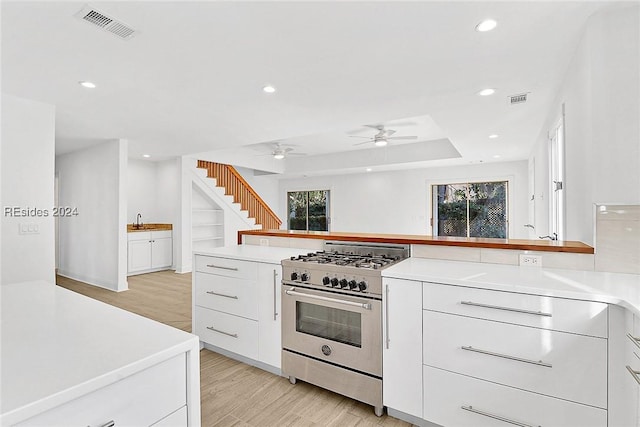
(227, 177)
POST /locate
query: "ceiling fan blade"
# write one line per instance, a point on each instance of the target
(296, 154)
(378, 127)
(358, 136)
(403, 137)
(389, 132)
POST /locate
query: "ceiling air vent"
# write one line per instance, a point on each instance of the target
(91, 15)
(520, 98)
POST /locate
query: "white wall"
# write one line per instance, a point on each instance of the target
(398, 201)
(152, 190)
(601, 94)
(93, 244)
(28, 145)
(265, 185)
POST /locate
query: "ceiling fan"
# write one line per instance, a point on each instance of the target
(280, 151)
(381, 138)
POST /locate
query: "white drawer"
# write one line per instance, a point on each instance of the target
(227, 294)
(577, 368)
(160, 234)
(445, 394)
(232, 333)
(139, 235)
(177, 419)
(141, 399)
(559, 314)
(227, 267)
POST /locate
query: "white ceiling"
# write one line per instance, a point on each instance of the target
(191, 80)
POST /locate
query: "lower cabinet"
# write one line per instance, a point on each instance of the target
(452, 399)
(149, 251)
(149, 397)
(402, 346)
(237, 307)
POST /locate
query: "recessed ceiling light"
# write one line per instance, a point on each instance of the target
(88, 85)
(487, 92)
(493, 136)
(269, 89)
(496, 156)
(380, 143)
(146, 156)
(486, 25)
(368, 169)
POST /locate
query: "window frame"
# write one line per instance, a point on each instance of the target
(509, 179)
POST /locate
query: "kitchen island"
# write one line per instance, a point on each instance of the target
(71, 360)
(526, 345)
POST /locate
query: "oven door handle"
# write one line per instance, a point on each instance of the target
(293, 292)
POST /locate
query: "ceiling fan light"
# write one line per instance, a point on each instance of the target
(380, 142)
(278, 156)
(486, 25)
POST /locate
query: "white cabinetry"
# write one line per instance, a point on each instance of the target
(149, 251)
(237, 308)
(527, 359)
(269, 322)
(624, 368)
(142, 399)
(402, 346)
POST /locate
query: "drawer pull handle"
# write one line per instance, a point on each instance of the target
(211, 328)
(222, 267)
(634, 340)
(222, 295)
(634, 374)
(506, 356)
(498, 307)
(497, 417)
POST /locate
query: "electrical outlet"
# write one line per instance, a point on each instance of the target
(264, 242)
(530, 260)
(29, 228)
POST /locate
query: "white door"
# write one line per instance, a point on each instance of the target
(161, 252)
(139, 255)
(402, 346)
(270, 338)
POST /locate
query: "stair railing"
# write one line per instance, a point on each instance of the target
(235, 185)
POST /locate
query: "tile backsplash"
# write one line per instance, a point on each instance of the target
(617, 238)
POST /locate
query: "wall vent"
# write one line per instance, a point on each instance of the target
(95, 17)
(518, 99)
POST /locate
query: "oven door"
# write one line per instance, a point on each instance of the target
(341, 329)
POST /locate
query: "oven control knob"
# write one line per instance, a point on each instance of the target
(304, 277)
(363, 286)
(294, 276)
(343, 283)
(353, 284)
(326, 281)
(334, 282)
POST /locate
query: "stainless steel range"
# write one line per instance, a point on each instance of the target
(332, 318)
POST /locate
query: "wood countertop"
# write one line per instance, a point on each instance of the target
(416, 239)
(149, 227)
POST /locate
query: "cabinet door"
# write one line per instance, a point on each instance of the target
(270, 339)
(162, 252)
(402, 346)
(139, 255)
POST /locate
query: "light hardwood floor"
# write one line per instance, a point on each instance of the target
(233, 393)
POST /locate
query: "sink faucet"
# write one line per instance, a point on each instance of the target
(138, 223)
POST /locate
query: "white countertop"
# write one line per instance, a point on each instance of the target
(58, 345)
(613, 288)
(266, 254)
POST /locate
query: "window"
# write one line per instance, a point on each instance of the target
(308, 210)
(477, 209)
